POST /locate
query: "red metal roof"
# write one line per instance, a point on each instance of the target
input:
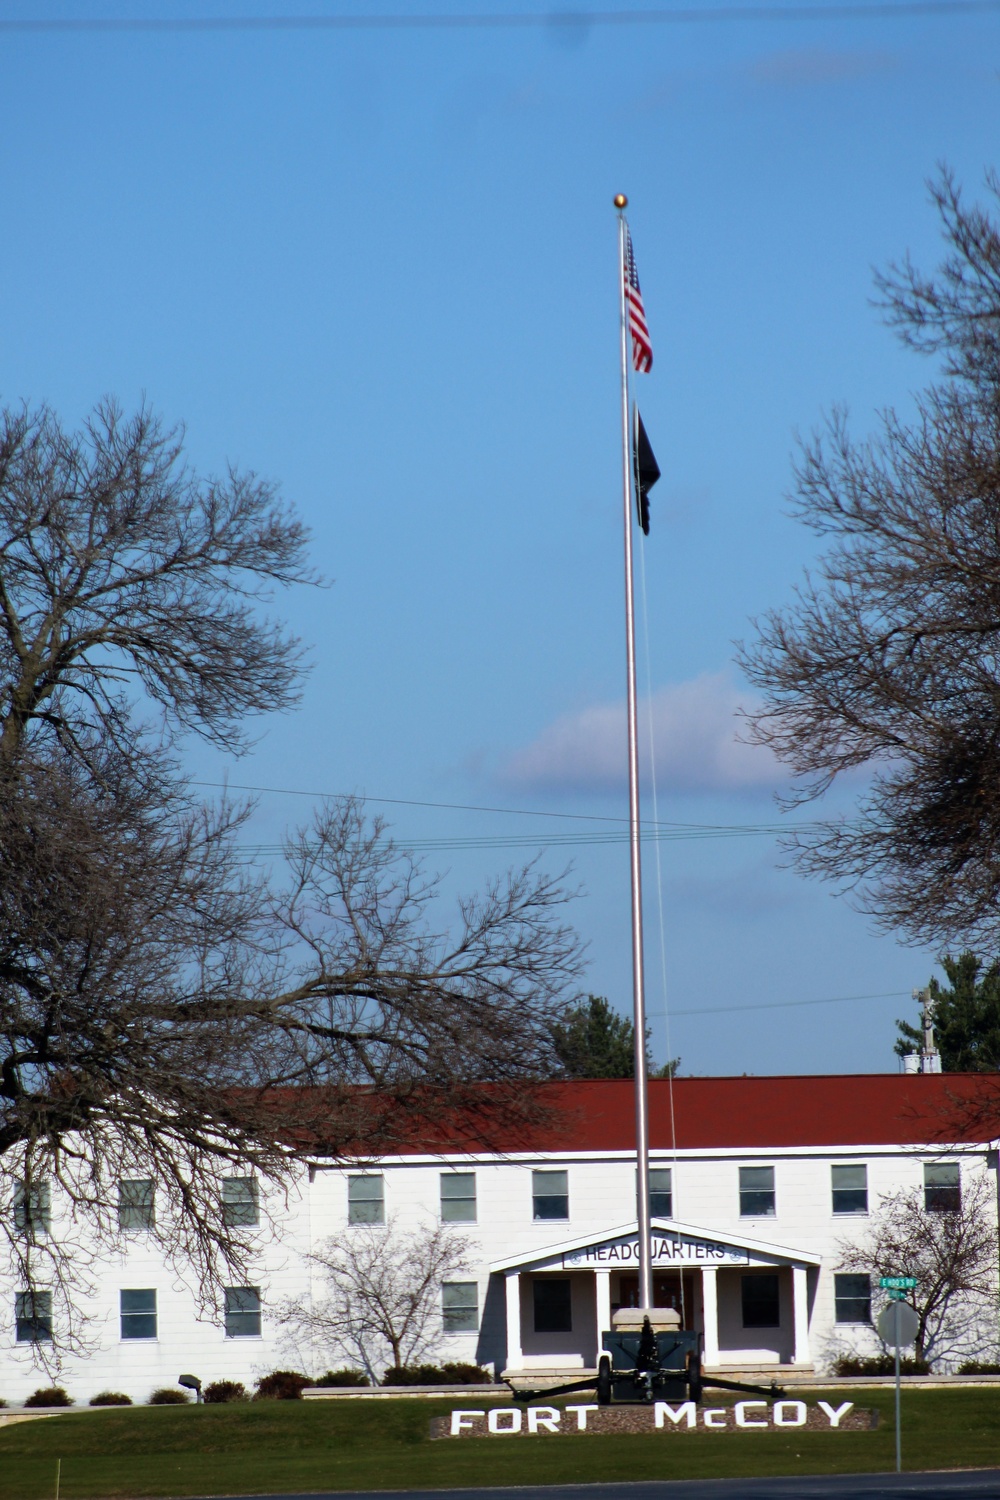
(867, 1109)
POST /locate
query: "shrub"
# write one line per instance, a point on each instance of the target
(52, 1395)
(224, 1390)
(979, 1367)
(457, 1374)
(343, 1377)
(414, 1375)
(879, 1364)
(111, 1398)
(2, 1401)
(168, 1395)
(281, 1385)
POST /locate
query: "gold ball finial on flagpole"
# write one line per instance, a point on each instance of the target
(621, 201)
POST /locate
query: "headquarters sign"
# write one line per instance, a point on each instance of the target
(669, 1250)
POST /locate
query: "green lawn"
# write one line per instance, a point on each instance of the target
(289, 1446)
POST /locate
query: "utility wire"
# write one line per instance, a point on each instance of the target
(519, 812)
(552, 841)
(656, 831)
(650, 830)
(719, 1010)
(569, 21)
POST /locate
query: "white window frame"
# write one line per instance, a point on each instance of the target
(467, 1198)
(469, 1307)
(125, 1314)
(357, 1205)
(538, 1197)
(240, 1203)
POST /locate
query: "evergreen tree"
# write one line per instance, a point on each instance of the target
(965, 1017)
(594, 1041)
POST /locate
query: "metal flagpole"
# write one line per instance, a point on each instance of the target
(638, 986)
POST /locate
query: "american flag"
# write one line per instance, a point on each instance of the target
(642, 349)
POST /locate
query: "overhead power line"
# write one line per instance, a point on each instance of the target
(661, 829)
(518, 812)
(659, 832)
(557, 841)
(566, 20)
(719, 1010)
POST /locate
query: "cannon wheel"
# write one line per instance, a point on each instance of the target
(694, 1375)
(604, 1381)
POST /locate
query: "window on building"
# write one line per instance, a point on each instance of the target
(661, 1195)
(850, 1189)
(33, 1317)
(239, 1202)
(852, 1298)
(136, 1203)
(761, 1301)
(460, 1306)
(553, 1304)
(138, 1314)
(366, 1199)
(756, 1192)
(458, 1197)
(242, 1312)
(550, 1195)
(32, 1207)
(942, 1187)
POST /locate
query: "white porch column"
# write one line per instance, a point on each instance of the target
(512, 1287)
(800, 1312)
(602, 1282)
(710, 1313)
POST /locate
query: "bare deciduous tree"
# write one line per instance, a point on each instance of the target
(889, 658)
(168, 1013)
(122, 574)
(381, 1298)
(953, 1257)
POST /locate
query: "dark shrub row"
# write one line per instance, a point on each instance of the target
(343, 1377)
(879, 1364)
(288, 1385)
(437, 1375)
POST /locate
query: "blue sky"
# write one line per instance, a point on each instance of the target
(379, 266)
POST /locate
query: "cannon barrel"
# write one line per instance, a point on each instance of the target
(647, 1357)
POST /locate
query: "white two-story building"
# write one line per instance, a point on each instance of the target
(757, 1184)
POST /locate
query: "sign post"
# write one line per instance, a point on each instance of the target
(897, 1325)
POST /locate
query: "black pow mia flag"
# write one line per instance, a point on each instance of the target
(646, 469)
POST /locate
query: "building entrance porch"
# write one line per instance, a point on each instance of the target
(750, 1302)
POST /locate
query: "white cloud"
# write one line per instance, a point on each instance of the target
(695, 728)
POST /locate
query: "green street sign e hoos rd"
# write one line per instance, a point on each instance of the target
(897, 1283)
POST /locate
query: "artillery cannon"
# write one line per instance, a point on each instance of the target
(648, 1357)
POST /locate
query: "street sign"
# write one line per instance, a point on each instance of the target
(895, 1296)
(898, 1283)
(897, 1325)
